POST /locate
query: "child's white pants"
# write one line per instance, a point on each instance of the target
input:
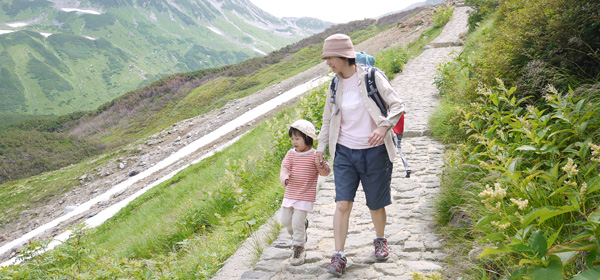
(294, 221)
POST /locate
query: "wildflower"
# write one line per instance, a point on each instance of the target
(531, 109)
(504, 226)
(500, 226)
(552, 89)
(521, 204)
(495, 209)
(501, 134)
(499, 192)
(519, 216)
(571, 168)
(572, 184)
(488, 192)
(595, 151)
(583, 189)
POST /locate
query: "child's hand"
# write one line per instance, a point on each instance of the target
(286, 182)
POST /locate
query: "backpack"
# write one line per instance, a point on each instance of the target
(367, 61)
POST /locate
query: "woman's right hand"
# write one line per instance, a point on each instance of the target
(319, 159)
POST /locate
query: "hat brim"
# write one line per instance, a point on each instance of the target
(309, 134)
(336, 54)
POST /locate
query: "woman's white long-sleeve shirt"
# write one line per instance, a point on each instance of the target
(330, 129)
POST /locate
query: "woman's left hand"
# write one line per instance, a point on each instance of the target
(377, 136)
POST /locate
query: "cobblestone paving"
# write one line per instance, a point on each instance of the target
(410, 224)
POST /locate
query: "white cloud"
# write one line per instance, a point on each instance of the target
(337, 11)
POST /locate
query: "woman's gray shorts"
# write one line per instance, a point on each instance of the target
(371, 167)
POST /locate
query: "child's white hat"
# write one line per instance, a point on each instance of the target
(304, 126)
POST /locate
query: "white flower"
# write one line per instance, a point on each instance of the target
(500, 226)
(488, 192)
(521, 204)
(571, 168)
(595, 151)
(572, 184)
(583, 189)
(499, 192)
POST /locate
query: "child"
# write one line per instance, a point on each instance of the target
(299, 174)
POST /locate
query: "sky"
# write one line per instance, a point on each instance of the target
(336, 11)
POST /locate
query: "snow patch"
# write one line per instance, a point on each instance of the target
(214, 29)
(89, 38)
(80, 11)
(259, 51)
(17, 24)
(6, 31)
(45, 34)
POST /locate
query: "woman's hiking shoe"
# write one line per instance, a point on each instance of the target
(338, 264)
(298, 255)
(381, 249)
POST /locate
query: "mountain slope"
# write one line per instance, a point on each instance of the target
(63, 56)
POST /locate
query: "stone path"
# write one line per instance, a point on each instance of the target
(410, 225)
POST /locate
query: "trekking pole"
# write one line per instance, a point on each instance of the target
(408, 171)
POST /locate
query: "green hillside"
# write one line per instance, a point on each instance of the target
(57, 60)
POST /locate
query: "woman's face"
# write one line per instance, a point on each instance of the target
(337, 64)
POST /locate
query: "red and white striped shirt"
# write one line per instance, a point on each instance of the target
(302, 173)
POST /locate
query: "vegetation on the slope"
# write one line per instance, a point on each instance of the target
(392, 60)
(521, 111)
(187, 226)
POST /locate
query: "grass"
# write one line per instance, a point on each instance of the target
(189, 225)
(156, 212)
(20, 195)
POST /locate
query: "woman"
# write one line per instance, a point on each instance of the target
(361, 143)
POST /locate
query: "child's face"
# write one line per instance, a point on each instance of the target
(298, 143)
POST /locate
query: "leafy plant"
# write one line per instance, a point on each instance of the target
(531, 201)
(442, 16)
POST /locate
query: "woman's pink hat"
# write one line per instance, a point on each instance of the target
(338, 45)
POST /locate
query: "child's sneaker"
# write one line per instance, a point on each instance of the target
(338, 264)
(381, 249)
(298, 255)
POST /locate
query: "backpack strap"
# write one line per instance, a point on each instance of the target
(333, 87)
(373, 91)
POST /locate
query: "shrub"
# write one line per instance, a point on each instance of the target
(540, 42)
(540, 183)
